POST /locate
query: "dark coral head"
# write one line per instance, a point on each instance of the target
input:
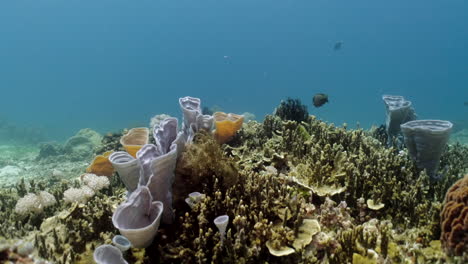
(292, 109)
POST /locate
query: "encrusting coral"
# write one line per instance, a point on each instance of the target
(454, 219)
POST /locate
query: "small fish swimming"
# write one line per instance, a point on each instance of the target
(337, 45)
(319, 99)
(465, 103)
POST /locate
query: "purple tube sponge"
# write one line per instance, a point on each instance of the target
(138, 218)
(158, 163)
(426, 140)
(127, 167)
(399, 111)
(194, 120)
(191, 108)
(108, 254)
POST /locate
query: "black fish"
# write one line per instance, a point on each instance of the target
(319, 99)
(337, 46)
(465, 103)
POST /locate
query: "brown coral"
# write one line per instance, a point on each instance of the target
(454, 219)
(226, 125)
(199, 162)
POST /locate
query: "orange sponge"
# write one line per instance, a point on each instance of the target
(135, 139)
(226, 125)
(101, 165)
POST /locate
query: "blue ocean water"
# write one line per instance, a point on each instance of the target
(110, 64)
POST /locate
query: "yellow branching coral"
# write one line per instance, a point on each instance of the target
(135, 139)
(101, 165)
(226, 125)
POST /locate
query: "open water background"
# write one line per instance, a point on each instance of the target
(110, 64)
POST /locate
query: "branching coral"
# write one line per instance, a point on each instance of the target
(332, 158)
(262, 208)
(64, 236)
(199, 163)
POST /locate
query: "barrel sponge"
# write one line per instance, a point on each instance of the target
(454, 219)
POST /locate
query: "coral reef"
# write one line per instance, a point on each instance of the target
(110, 142)
(77, 148)
(64, 236)
(81, 146)
(49, 149)
(454, 219)
(280, 191)
(199, 163)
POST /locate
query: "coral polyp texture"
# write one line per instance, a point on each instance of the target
(290, 189)
(454, 218)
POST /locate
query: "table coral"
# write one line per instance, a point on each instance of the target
(454, 219)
